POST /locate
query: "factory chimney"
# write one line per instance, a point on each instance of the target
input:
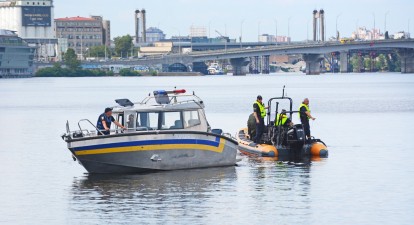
(315, 24)
(322, 23)
(144, 25)
(318, 25)
(136, 19)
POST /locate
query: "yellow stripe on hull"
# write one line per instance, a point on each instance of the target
(218, 149)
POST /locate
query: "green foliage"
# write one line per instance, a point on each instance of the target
(71, 59)
(367, 63)
(129, 73)
(99, 51)
(380, 63)
(123, 45)
(58, 71)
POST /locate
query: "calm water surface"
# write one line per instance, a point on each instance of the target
(366, 120)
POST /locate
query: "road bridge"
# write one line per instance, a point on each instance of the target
(312, 53)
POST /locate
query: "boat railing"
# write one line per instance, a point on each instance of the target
(175, 99)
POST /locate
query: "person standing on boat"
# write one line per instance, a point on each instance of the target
(259, 111)
(305, 115)
(104, 122)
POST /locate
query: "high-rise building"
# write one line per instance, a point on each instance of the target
(83, 32)
(273, 38)
(198, 31)
(33, 22)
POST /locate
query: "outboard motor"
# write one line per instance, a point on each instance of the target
(296, 136)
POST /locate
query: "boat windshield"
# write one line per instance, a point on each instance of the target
(171, 120)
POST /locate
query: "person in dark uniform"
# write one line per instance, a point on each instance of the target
(305, 115)
(104, 122)
(259, 111)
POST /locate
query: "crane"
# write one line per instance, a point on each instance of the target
(225, 39)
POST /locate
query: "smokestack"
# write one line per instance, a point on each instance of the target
(136, 19)
(322, 23)
(315, 24)
(144, 25)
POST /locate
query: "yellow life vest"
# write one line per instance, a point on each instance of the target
(262, 109)
(280, 122)
(306, 107)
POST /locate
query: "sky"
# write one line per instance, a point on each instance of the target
(226, 16)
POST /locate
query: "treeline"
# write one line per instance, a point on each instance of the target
(73, 69)
(373, 63)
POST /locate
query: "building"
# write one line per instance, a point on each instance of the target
(158, 48)
(272, 38)
(83, 33)
(154, 34)
(198, 31)
(16, 57)
(362, 33)
(33, 22)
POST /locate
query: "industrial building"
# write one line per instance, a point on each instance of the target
(154, 34)
(33, 22)
(16, 57)
(83, 32)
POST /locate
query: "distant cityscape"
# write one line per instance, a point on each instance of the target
(52, 36)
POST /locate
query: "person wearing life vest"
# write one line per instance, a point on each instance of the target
(259, 111)
(282, 119)
(305, 115)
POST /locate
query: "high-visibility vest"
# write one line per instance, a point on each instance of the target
(280, 122)
(262, 109)
(306, 107)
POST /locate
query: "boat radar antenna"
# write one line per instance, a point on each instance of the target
(283, 94)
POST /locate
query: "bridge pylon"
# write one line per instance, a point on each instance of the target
(407, 60)
(313, 63)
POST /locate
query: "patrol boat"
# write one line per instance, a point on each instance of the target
(280, 141)
(168, 130)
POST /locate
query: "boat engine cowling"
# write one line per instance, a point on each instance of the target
(296, 135)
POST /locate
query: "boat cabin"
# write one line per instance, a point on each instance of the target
(164, 110)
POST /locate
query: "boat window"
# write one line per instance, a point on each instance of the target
(171, 120)
(147, 121)
(191, 118)
(130, 120)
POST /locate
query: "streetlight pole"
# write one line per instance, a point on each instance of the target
(209, 23)
(336, 26)
(307, 31)
(289, 30)
(276, 31)
(373, 31)
(385, 21)
(241, 33)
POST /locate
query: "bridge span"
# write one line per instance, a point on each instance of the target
(312, 53)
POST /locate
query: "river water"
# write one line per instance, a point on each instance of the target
(365, 119)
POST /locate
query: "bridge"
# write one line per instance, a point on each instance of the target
(312, 53)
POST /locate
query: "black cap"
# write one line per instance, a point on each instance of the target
(108, 110)
(259, 97)
(283, 111)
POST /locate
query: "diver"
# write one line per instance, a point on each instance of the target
(259, 111)
(305, 115)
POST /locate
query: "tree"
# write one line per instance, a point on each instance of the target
(71, 60)
(367, 63)
(380, 64)
(123, 45)
(99, 51)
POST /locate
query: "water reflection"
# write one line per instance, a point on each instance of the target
(150, 197)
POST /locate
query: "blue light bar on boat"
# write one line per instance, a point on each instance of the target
(160, 92)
